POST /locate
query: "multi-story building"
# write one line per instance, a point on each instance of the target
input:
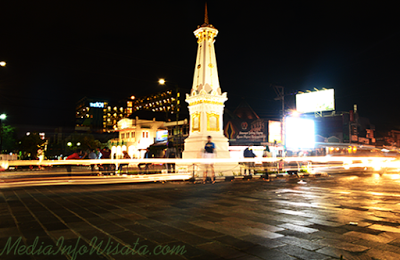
(168, 101)
(98, 115)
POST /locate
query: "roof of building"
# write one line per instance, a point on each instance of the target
(244, 111)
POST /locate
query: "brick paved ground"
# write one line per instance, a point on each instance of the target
(239, 220)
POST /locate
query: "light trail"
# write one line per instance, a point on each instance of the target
(93, 180)
(321, 159)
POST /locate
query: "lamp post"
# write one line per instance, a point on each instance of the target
(162, 82)
(2, 117)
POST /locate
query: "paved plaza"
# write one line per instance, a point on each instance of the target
(353, 216)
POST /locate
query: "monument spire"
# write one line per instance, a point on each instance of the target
(206, 16)
(206, 74)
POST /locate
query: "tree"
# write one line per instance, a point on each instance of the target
(81, 141)
(8, 135)
(30, 144)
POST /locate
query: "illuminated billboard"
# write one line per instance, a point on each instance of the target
(96, 104)
(323, 100)
(162, 136)
(300, 133)
(274, 131)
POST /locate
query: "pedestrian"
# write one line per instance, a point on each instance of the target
(92, 156)
(209, 153)
(171, 153)
(248, 153)
(146, 165)
(106, 154)
(98, 152)
(125, 155)
(75, 156)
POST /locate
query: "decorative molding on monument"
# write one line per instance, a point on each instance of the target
(206, 33)
(204, 97)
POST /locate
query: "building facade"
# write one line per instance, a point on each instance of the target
(98, 115)
(168, 102)
(135, 135)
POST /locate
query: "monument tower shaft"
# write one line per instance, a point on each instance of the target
(206, 101)
(205, 72)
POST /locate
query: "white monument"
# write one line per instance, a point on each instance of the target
(206, 102)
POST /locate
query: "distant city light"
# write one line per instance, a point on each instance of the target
(132, 97)
(69, 144)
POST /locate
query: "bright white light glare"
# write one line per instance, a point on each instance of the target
(315, 101)
(274, 131)
(300, 133)
(376, 176)
(295, 113)
(394, 176)
(3, 63)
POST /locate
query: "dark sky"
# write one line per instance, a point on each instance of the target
(60, 51)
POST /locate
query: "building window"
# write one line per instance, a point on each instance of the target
(145, 134)
(133, 134)
(127, 135)
(122, 136)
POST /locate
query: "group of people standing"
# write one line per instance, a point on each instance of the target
(171, 152)
(93, 154)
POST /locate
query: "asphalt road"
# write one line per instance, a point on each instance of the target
(351, 215)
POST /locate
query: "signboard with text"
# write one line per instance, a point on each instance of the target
(246, 131)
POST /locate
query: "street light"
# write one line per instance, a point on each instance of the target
(2, 117)
(3, 63)
(161, 81)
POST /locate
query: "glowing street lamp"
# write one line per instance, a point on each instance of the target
(161, 81)
(3, 63)
(2, 117)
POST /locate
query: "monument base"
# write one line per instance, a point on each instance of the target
(194, 146)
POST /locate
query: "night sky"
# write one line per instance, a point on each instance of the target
(60, 51)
